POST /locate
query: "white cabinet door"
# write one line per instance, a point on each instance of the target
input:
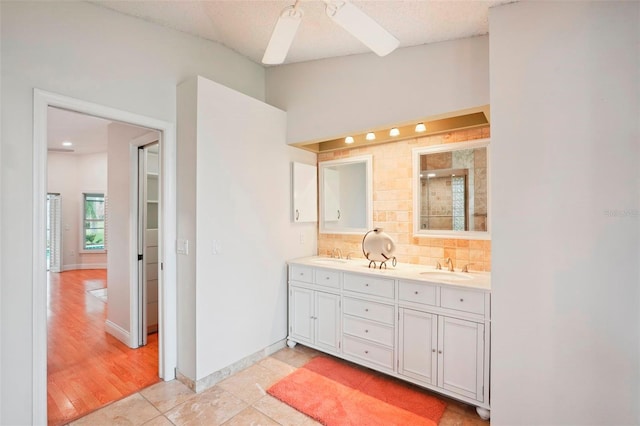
(327, 320)
(331, 194)
(314, 318)
(461, 357)
(305, 193)
(418, 343)
(301, 314)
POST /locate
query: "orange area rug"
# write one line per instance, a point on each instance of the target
(337, 394)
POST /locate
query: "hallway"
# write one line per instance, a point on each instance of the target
(86, 367)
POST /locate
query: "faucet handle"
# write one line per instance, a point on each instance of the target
(438, 265)
(465, 268)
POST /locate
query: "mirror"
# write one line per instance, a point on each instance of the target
(346, 195)
(451, 190)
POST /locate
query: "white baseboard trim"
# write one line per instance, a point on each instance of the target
(74, 267)
(217, 376)
(118, 332)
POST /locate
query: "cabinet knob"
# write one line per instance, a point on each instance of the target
(366, 309)
(439, 352)
(366, 331)
(416, 292)
(461, 299)
(366, 352)
(326, 278)
(366, 284)
(433, 350)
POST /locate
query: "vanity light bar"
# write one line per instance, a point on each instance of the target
(393, 132)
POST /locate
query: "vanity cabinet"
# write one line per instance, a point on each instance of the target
(435, 335)
(314, 314)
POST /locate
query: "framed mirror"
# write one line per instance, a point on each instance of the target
(451, 190)
(346, 195)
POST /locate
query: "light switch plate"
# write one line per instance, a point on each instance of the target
(182, 246)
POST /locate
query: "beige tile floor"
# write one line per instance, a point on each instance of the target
(240, 399)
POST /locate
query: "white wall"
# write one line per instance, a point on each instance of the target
(239, 168)
(565, 202)
(85, 51)
(70, 176)
(335, 97)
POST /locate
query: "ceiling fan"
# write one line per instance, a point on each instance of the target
(343, 13)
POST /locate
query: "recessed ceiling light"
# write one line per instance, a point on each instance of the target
(348, 139)
(371, 136)
(420, 127)
(67, 143)
(394, 132)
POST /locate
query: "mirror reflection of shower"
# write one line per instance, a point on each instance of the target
(445, 194)
(453, 190)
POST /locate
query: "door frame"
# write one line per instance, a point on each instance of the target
(167, 346)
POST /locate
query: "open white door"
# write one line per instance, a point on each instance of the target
(148, 208)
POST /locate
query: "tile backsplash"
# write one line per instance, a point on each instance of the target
(393, 205)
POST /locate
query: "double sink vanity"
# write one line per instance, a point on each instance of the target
(425, 326)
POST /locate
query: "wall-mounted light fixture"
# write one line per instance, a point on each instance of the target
(348, 139)
(394, 132)
(420, 127)
(370, 136)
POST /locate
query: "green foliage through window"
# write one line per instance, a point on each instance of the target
(93, 221)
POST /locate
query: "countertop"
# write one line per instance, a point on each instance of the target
(475, 280)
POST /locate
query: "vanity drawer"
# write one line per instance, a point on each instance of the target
(327, 278)
(368, 351)
(301, 273)
(369, 285)
(369, 310)
(416, 292)
(368, 330)
(462, 300)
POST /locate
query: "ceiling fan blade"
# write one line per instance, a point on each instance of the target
(282, 36)
(362, 27)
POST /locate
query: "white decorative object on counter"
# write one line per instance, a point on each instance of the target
(378, 246)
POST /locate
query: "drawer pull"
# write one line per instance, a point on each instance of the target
(366, 284)
(433, 350)
(366, 331)
(416, 292)
(461, 299)
(366, 352)
(326, 278)
(366, 309)
(439, 352)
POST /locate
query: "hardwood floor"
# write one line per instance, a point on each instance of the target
(88, 368)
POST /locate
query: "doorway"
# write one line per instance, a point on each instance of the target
(167, 323)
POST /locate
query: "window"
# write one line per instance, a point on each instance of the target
(93, 214)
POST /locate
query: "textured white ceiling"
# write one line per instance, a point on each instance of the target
(246, 26)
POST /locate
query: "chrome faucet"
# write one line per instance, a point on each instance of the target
(450, 263)
(337, 253)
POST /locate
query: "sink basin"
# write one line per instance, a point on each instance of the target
(329, 260)
(447, 276)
